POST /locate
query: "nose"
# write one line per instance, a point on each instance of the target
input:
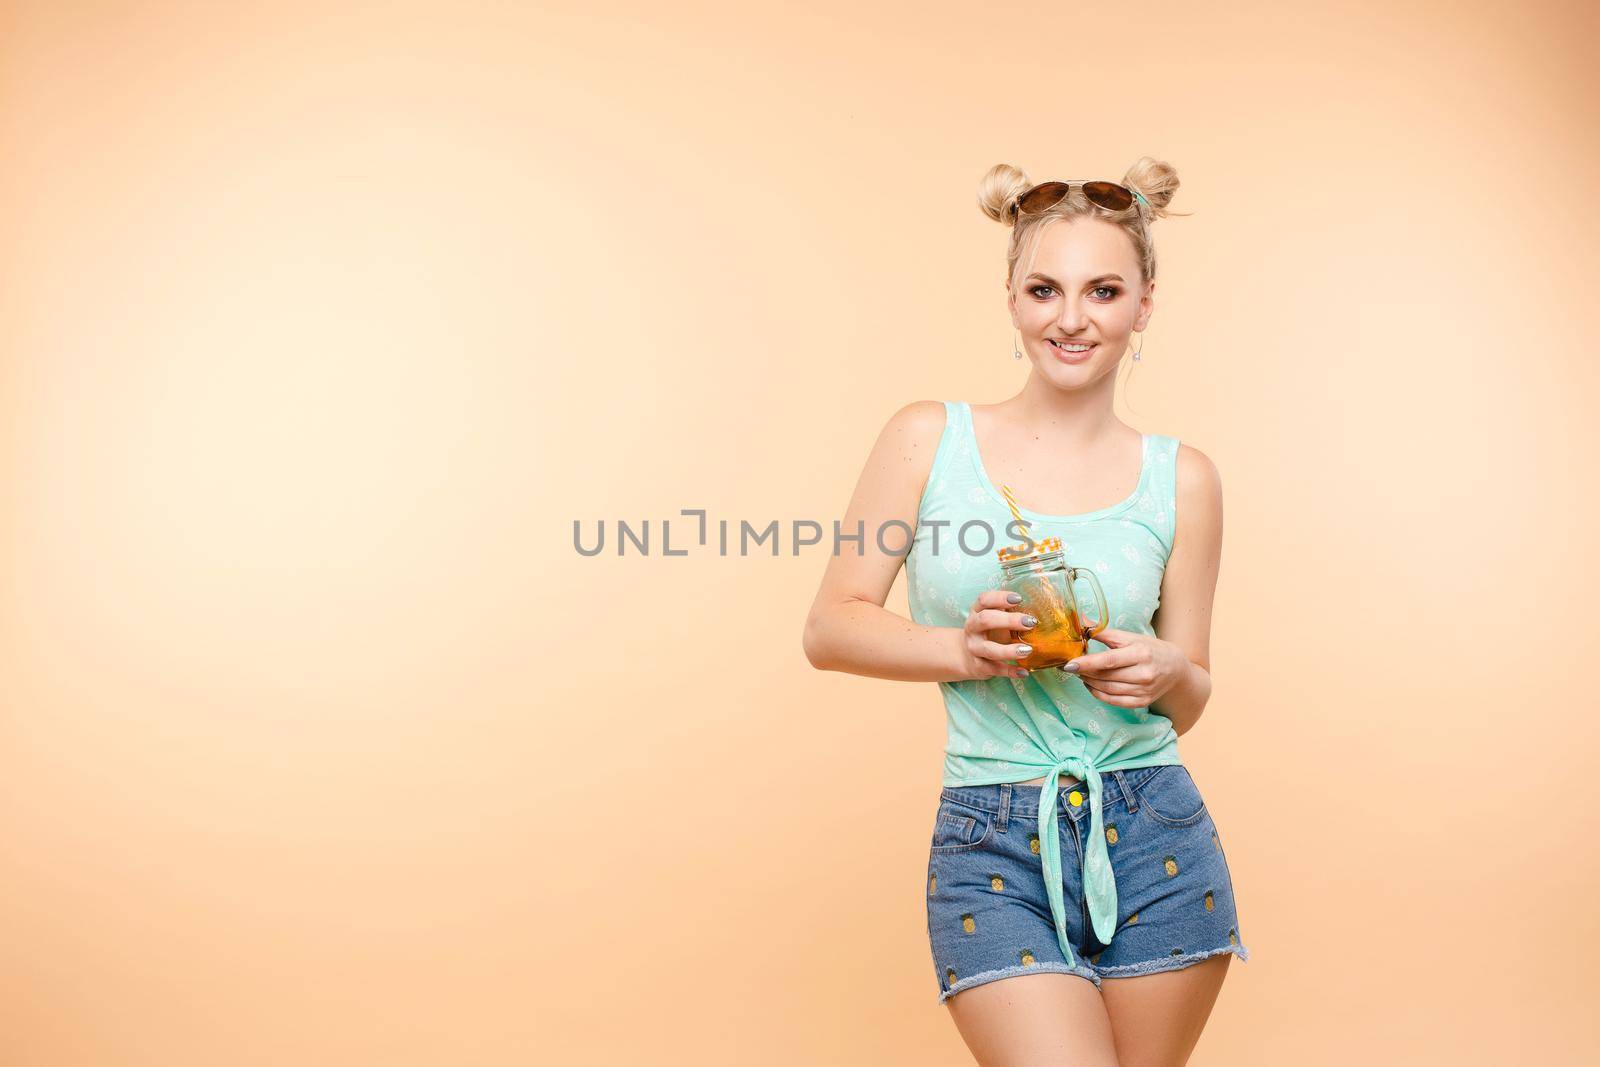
(1072, 317)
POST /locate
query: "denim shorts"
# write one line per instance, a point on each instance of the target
(989, 918)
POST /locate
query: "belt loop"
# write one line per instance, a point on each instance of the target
(1005, 805)
(1127, 793)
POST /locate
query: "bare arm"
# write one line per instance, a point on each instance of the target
(848, 628)
(1189, 585)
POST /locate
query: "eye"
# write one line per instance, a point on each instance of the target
(1112, 291)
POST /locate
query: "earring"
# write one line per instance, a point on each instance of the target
(1015, 354)
(1140, 349)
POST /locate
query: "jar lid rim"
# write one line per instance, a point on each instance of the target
(1042, 557)
(1041, 549)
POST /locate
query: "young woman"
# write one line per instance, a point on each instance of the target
(1079, 903)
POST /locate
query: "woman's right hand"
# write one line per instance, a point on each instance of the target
(991, 616)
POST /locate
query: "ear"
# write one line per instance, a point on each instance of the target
(1147, 307)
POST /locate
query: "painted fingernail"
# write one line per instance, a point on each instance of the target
(1071, 667)
(1029, 621)
(1022, 672)
(1023, 650)
(1013, 598)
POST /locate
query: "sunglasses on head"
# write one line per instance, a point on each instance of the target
(1106, 194)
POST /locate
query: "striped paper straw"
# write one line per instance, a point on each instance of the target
(1015, 513)
(1012, 501)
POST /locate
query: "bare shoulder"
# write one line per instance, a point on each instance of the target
(917, 424)
(1197, 492)
(1198, 479)
(902, 457)
(912, 434)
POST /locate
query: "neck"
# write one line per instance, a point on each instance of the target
(1071, 418)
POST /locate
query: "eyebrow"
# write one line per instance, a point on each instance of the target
(1103, 278)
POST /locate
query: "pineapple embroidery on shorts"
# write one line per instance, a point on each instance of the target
(1177, 952)
(1096, 957)
(967, 924)
(933, 883)
(1111, 835)
(949, 977)
(1133, 918)
(1215, 842)
(1027, 957)
(997, 883)
(1171, 865)
(1211, 904)
(1033, 843)
(1233, 937)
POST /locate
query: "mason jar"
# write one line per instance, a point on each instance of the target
(1046, 584)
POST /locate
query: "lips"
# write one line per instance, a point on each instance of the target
(1062, 346)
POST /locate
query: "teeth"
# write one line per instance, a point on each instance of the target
(1072, 348)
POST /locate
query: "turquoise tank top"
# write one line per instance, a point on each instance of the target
(1013, 729)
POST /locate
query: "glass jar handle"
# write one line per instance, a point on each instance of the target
(1103, 619)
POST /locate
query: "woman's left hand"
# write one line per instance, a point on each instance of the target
(1136, 671)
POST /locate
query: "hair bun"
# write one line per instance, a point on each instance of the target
(999, 190)
(1156, 181)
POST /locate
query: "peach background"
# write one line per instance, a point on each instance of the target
(321, 744)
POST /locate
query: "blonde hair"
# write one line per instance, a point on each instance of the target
(1155, 180)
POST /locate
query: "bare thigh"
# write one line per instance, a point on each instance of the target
(1157, 1018)
(1035, 1019)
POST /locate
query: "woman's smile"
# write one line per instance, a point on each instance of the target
(1069, 355)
